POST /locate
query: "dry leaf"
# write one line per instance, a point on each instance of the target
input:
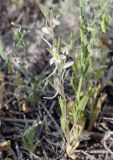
(5, 145)
(70, 152)
(2, 88)
(25, 106)
(70, 106)
(96, 111)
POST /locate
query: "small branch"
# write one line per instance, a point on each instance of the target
(24, 26)
(106, 137)
(54, 96)
(15, 120)
(57, 126)
(85, 153)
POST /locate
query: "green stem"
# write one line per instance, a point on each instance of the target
(79, 89)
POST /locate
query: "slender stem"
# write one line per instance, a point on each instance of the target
(79, 89)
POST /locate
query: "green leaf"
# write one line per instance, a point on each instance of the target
(85, 50)
(85, 68)
(10, 68)
(104, 23)
(91, 29)
(63, 119)
(83, 102)
(18, 80)
(18, 36)
(63, 106)
(99, 73)
(75, 84)
(64, 124)
(28, 138)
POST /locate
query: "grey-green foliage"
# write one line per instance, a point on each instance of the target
(19, 40)
(2, 54)
(28, 138)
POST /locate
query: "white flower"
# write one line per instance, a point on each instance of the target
(46, 30)
(57, 59)
(54, 51)
(63, 57)
(55, 22)
(65, 50)
(68, 64)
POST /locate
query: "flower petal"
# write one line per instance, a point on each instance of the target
(57, 61)
(45, 30)
(56, 22)
(51, 61)
(68, 64)
(63, 57)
